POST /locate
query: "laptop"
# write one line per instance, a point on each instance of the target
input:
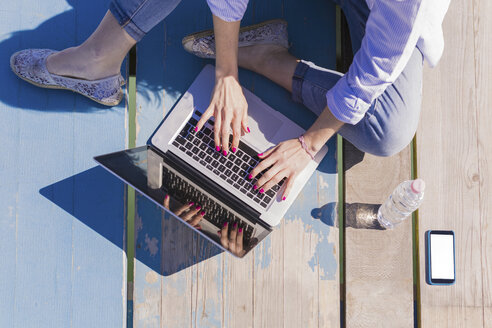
(178, 167)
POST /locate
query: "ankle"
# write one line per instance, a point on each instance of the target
(80, 62)
(259, 58)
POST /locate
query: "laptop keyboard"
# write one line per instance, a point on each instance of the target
(232, 169)
(182, 191)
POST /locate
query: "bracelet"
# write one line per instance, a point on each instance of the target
(305, 147)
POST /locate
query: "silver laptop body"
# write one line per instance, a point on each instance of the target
(185, 166)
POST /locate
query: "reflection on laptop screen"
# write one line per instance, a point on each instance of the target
(156, 176)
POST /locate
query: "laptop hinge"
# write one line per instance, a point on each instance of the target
(211, 186)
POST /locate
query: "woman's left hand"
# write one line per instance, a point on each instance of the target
(286, 160)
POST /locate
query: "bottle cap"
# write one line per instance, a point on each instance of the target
(418, 186)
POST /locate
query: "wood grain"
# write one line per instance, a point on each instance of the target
(61, 218)
(378, 276)
(482, 10)
(448, 160)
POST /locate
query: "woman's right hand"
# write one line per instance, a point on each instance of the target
(187, 212)
(227, 105)
(230, 110)
(233, 239)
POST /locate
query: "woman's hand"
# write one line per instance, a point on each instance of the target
(227, 105)
(286, 160)
(233, 239)
(230, 109)
(187, 212)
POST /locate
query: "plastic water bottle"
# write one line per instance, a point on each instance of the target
(406, 198)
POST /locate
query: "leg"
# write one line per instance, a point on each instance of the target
(272, 61)
(102, 53)
(391, 121)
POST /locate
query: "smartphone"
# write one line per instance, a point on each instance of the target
(440, 262)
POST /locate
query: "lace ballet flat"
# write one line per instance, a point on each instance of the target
(30, 65)
(202, 44)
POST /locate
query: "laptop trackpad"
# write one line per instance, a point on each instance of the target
(263, 125)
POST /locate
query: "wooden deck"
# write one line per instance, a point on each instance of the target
(454, 152)
(292, 278)
(63, 219)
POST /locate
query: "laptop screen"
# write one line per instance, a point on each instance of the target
(163, 182)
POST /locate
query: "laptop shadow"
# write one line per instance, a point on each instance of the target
(94, 197)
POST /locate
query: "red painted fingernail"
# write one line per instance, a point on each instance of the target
(219, 232)
(225, 153)
(202, 213)
(240, 230)
(233, 149)
(167, 196)
(235, 225)
(217, 148)
(262, 191)
(260, 154)
(248, 129)
(196, 128)
(250, 177)
(255, 187)
(283, 198)
(225, 224)
(191, 203)
(199, 228)
(198, 207)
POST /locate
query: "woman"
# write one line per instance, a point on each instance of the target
(376, 105)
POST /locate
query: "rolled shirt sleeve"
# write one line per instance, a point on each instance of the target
(228, 10)
(392, 31)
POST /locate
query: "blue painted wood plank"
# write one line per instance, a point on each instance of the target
(166, 277)
(62, 220)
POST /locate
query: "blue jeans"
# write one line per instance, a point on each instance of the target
(387, 127)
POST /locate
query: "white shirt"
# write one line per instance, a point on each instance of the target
(393, 30)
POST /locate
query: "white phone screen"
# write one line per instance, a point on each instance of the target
(442, 257)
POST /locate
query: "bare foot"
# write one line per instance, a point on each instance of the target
(79, 63)
(257, 56)
(272, 61)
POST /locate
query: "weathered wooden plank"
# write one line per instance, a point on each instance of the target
(448, 160)
(62, 221)
(483, 71)
(168, 286)
(311, 271)
(378, 274)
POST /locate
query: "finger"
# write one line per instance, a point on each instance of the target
(244, 121)
(191, 213)
(236, 134)
(217, 125)
(263, 165)
(224, 135)
(180, 210)
(166, 201)
(205, 116)
(288, 186)
(267, 153)
(272, 181)
(239, 240)
(224, 236)
(197, 218)
(232, 237)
